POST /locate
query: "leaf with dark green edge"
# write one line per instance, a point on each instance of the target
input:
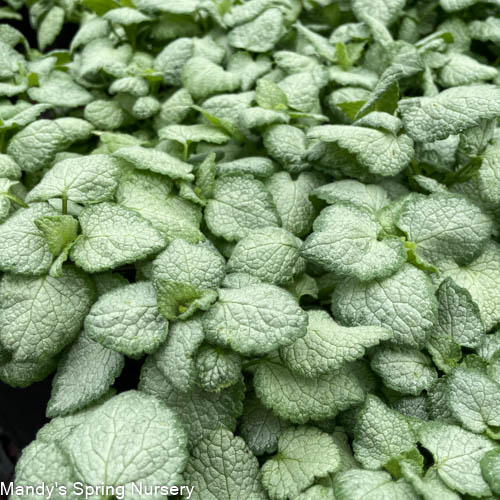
(175, 358)
(240, 204)
(457, 456)
(403, 303)
(270, 96)
(202, 78)
(220, 464)
(406, 371)
(381, 434)
(43, 463)
(428, 119)
(327, 346)
(379, 152)
(459, 324)
(21, 374)
(152, 196)
(430, 486)
(301, 399)
(287, 145)
(59, 89)
(260, 427)
(84, 373)
(260, 34)
(113, 236)
(156, 161)
(460, 231)
(305, 454)
(151, 432)
(359, 484)
(39, 316)
(217, 368)
(187, 134)
(220, 123)
(35, 146)
(271, 254)
(331, 245)
(199, 265)
(474, 399)
(480, 278)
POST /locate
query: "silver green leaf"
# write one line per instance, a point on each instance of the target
(201, 412)
(260, 427)
(196, 264)
(490, 467)
(202, 78)
(175, 358)
(327, 346)
(220, 465)
(23, 247)
(59, 89)
(371, 485)
(131, 438)
(474, 399)
(151, 195)
(261, 34)
(84, 373)
(457, 456)
(39, 316)
(352, 247)
(84, 179)
(217, 368)
(35, 146)
(240, 204)
(445, 226)
(270, 254)
(380, 434)
(481, 278)
(428, 119)
(404, 303)
(112, 236)
(255, 319)
(291, 198)
(43, 463)
(304, 454)
(127, 320)
(156, 161)
(301, 399)
(407, 371)
(378, 151)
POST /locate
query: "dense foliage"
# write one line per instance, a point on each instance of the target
(289, 210)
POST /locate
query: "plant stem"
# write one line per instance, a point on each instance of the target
(15, 199)
(64, 205)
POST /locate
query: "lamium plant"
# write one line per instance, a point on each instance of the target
(287, 211)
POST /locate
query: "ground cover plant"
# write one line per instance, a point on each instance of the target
(288, 211)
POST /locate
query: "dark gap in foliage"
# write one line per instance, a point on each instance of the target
(24, 26)
(428, 459)
(23, 416)
(129, 378)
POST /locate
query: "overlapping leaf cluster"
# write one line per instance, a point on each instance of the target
(289, 210)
